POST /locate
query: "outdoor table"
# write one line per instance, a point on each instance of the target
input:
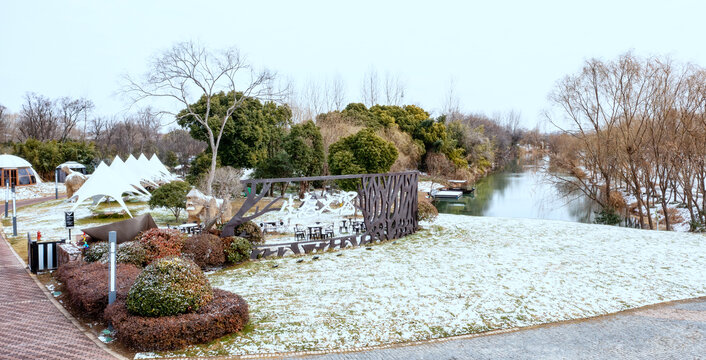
(270, 226)
(188, 227)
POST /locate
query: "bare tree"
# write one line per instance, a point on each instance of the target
(394, 89)
(369, 89)
(452, 103)
(188, 71)
(4, 122)
(70, 112)
(37, 118)
(338, 93)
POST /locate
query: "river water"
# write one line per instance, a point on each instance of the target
(522, 190)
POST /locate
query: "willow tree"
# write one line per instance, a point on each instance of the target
(188, 72)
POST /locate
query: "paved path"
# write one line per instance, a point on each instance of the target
(669, 331)
(31, 326)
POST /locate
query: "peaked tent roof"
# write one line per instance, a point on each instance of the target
(141, 172)
(119, 167)
(155, 163)
(105, 182)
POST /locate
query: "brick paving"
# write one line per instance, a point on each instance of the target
(669, 331)
(31, 327)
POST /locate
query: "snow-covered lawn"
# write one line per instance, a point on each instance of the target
(48, 217)
(33, 191)
(460, 275)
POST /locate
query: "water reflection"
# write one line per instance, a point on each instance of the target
(522, 190)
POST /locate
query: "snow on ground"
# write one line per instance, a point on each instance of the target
(428, 186)
(33, 191)
(461, 275)
(48, 217)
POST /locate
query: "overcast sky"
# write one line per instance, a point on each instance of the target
(501, 55)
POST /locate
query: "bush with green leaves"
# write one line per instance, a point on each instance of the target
(607, 216)
(237, 249)
(131, 252)
(171, 196)
(169, 286)
(96, 251)
(360, 153)
(250, 231)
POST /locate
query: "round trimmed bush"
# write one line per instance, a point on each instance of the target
(250, 231)
(426, 211)
(131, 252)
(169, 286)
(96, 251)
(237, 250)
(206, 250)
(159, 243)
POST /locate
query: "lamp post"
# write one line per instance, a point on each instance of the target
(7, 195)
(14, 211)
(56, 186)
(112, 240)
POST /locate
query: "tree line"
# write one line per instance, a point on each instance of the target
(635, 124)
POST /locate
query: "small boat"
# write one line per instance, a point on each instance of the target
(446, 194)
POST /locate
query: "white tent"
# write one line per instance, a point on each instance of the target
(119, 167)
(144, 173)
(156, 164)
(105, 182)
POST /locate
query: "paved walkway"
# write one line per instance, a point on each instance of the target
(670, 331)
(31, 326)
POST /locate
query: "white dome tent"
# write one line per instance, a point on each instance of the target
(162, 170)
(105, 182)
(17, 171)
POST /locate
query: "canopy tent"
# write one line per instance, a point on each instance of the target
(17, 171)
(142, 169)
(163, 171)
(105, 182)
(73, 165)
(132, 176)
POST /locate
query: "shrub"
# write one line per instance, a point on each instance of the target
(87, 285)
(159, 243)
(169, 286)
(607, 216)
(226, 313)
(250, 231)
(131, 252)
(96, 251)
(426, 211)
(171, 196)
(205, 250)
(237, 249)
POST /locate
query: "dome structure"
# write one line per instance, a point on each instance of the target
(17, 171)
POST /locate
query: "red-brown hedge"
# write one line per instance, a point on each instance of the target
(161, 243)
(87, 285)
(226, 314)
(205, 250)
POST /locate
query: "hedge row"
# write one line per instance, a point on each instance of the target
(87, 285)
(225, 314)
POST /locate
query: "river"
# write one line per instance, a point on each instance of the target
(521, 190)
